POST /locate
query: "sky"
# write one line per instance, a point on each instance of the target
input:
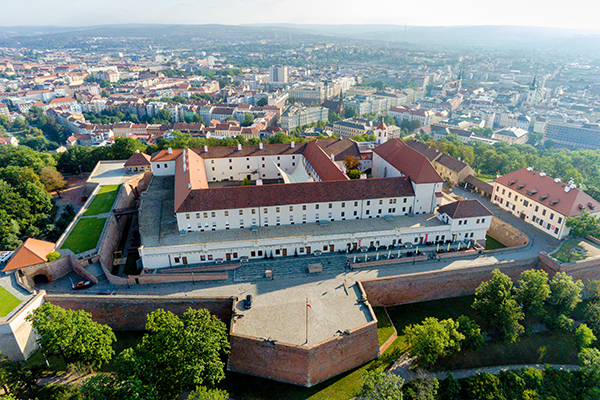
(575, 14)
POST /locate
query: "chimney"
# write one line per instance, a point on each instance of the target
(292, 145)
(170, 150)
(239, 147)
(363, 176)
(260, 146)
(332, 157)
(205, 149)
(259, 182)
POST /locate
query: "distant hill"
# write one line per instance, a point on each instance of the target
(436, 37)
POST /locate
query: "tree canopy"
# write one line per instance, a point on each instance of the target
(177, 353)
(496, 305)
(73, 335)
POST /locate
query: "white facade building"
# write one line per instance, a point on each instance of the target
(316, 208)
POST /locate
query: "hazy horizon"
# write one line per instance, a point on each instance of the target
(73, 14)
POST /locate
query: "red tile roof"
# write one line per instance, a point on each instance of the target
(465, 209)
(408, 161)
(190, 177)
(138, 159)
(324, 166)
(544, 190)
(294, 193)
(31, 252)
(164, 155)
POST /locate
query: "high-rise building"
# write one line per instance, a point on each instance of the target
(278, 74)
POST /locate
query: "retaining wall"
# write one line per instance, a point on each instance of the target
(303, 365)
(17, 338)
(434, 285)
(585, 269)
(128, 313)
(506, 234)
(57, 269)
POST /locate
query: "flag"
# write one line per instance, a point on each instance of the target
(308, 304)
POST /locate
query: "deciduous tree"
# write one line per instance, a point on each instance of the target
(379, 385)
(494, 302)
(532, 291)
(432, 339)
(566, 293)
(73, 335)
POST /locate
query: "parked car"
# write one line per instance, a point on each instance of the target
(81, 285)
(248, 302)
(6, 256)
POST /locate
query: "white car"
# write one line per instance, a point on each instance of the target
(6, 256)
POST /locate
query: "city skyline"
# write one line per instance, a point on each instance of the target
(238, 12)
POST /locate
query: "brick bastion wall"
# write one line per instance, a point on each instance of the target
(128, 313)
(506, 234)
(304, 365)
(584, 269)
(425, 286)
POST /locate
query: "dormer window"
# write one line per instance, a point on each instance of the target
(510, 183)
(543, 197)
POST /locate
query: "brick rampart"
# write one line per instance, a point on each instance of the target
(425, 286)
(128, 313)
(303, 365)
(584, 269)
(506, 234)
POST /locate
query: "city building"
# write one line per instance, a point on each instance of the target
(312, 206)
(296, 116)
(512, 135)
(541, 201)
(573, 136)
(278, 74)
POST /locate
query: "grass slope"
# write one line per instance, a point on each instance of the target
(103, 201)
(8, 302)
(85, 235)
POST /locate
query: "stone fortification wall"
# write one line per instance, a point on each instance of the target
(425, 286)
(302, 365)
(17, 339)
(57, 269)
(507, 234)
(125, 313)
(584, 269)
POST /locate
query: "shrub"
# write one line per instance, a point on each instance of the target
(53, 256)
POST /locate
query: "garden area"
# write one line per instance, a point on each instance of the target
(85, 235)
(493, 244)
(575, 250)
(103, 200)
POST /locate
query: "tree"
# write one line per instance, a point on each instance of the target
(470, 330)
(104, 386)
(532, 291)
(495, 304)
(104, 93)
(484, 386)
(73, 335)
(248, 119)
(379, 385)
(351, 162)
(433, 339)
(246, 181)
(450, 388)
(197, 118)
(584, 225)
(52, 180)
(262, 102)
(589, 359)
(353, 174)
(177, 353)
(202, 393)
(125, 147)
(566, 293)
(584, 337)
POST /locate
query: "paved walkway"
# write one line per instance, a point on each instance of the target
(401, 368)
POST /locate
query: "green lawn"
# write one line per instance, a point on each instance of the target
(565, 254)
(485, 177)
(385, 329)
(85, 235)
(8, 302)
(103, 201)
(493, 244)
